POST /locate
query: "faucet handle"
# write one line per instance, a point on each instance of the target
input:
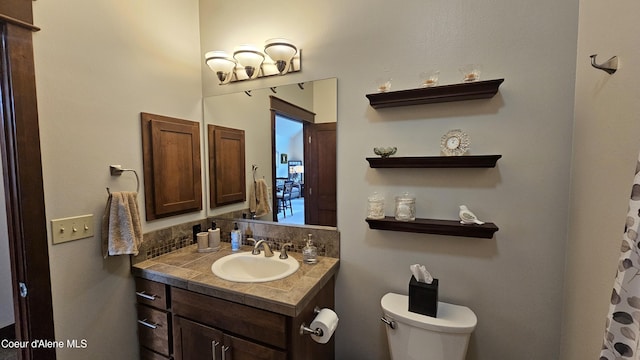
(255, 250)
(283, 250)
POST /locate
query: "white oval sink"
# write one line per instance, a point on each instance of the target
(245, 267)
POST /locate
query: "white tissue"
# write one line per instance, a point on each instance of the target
(327, 321)
(415, 270)
(421, 274)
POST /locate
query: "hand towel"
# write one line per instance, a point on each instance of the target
(259, 198)
(121, 228)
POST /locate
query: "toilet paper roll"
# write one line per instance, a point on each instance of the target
(327, 321)
(214, 238)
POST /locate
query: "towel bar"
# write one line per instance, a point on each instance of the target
(117, 170)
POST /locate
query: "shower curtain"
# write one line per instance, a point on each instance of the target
(622, 333)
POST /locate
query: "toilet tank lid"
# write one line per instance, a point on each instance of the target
(451, 318)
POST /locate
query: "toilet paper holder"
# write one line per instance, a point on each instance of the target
(305, 330)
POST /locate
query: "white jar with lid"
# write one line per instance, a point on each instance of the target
(405, 207)
(375, 206)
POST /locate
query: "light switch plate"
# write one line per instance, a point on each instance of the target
(72, 228)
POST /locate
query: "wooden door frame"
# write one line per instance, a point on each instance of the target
(292, 111)
(22, 173)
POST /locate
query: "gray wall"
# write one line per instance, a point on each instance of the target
(514, 281)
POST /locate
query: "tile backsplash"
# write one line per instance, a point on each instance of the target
(166, 240)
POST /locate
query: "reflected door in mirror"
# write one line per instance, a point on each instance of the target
(320, 174)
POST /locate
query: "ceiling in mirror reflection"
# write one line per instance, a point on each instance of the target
(251, 112)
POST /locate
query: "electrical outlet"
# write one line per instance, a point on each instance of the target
(72, 228)
(196, 230)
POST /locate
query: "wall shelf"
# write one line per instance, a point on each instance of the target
(432, 226)
(465, 161)
(437, 94)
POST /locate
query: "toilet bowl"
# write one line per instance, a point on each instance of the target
(414, 336)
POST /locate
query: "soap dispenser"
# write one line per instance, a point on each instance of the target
(310, 252)
(236, 238)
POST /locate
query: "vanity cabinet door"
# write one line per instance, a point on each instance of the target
(256, 324)
(239, 349)
(194, 341)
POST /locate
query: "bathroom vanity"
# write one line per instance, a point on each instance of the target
(186, 312)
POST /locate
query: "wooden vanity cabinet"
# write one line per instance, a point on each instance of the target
(154, 320)
(205, 326)
(195, 341)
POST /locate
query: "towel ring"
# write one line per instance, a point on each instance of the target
(117, 170)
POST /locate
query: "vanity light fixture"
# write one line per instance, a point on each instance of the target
(250, 58)
(221, 64)
(281, 51)
(280, 56)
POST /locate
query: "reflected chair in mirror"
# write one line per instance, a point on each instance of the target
(284, 198)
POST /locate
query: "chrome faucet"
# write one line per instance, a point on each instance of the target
(265, 246)
(283, 251)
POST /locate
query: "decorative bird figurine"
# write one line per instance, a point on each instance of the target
(467, 217)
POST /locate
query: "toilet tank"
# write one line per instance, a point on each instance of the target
(421, 337)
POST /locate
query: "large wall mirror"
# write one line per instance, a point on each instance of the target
(290, 145)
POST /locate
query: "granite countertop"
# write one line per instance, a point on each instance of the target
(188, 269)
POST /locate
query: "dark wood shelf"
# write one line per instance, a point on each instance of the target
(437, 94)
(464, 161)
(432, 226)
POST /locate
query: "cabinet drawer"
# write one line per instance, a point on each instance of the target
(146, 354)
(153, 329)
(256, 324)
(151, 293)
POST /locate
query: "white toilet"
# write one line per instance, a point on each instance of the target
(414, 336)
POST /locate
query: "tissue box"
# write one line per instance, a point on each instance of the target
(423, 297)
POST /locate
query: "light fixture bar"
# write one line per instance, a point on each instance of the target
(248, 62)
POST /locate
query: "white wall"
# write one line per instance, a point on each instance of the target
(98, 65)
(514, 281)
(606, 145)
(325, 102)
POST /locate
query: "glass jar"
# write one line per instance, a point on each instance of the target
(405, 207)
(310, 252)
(375, 206)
